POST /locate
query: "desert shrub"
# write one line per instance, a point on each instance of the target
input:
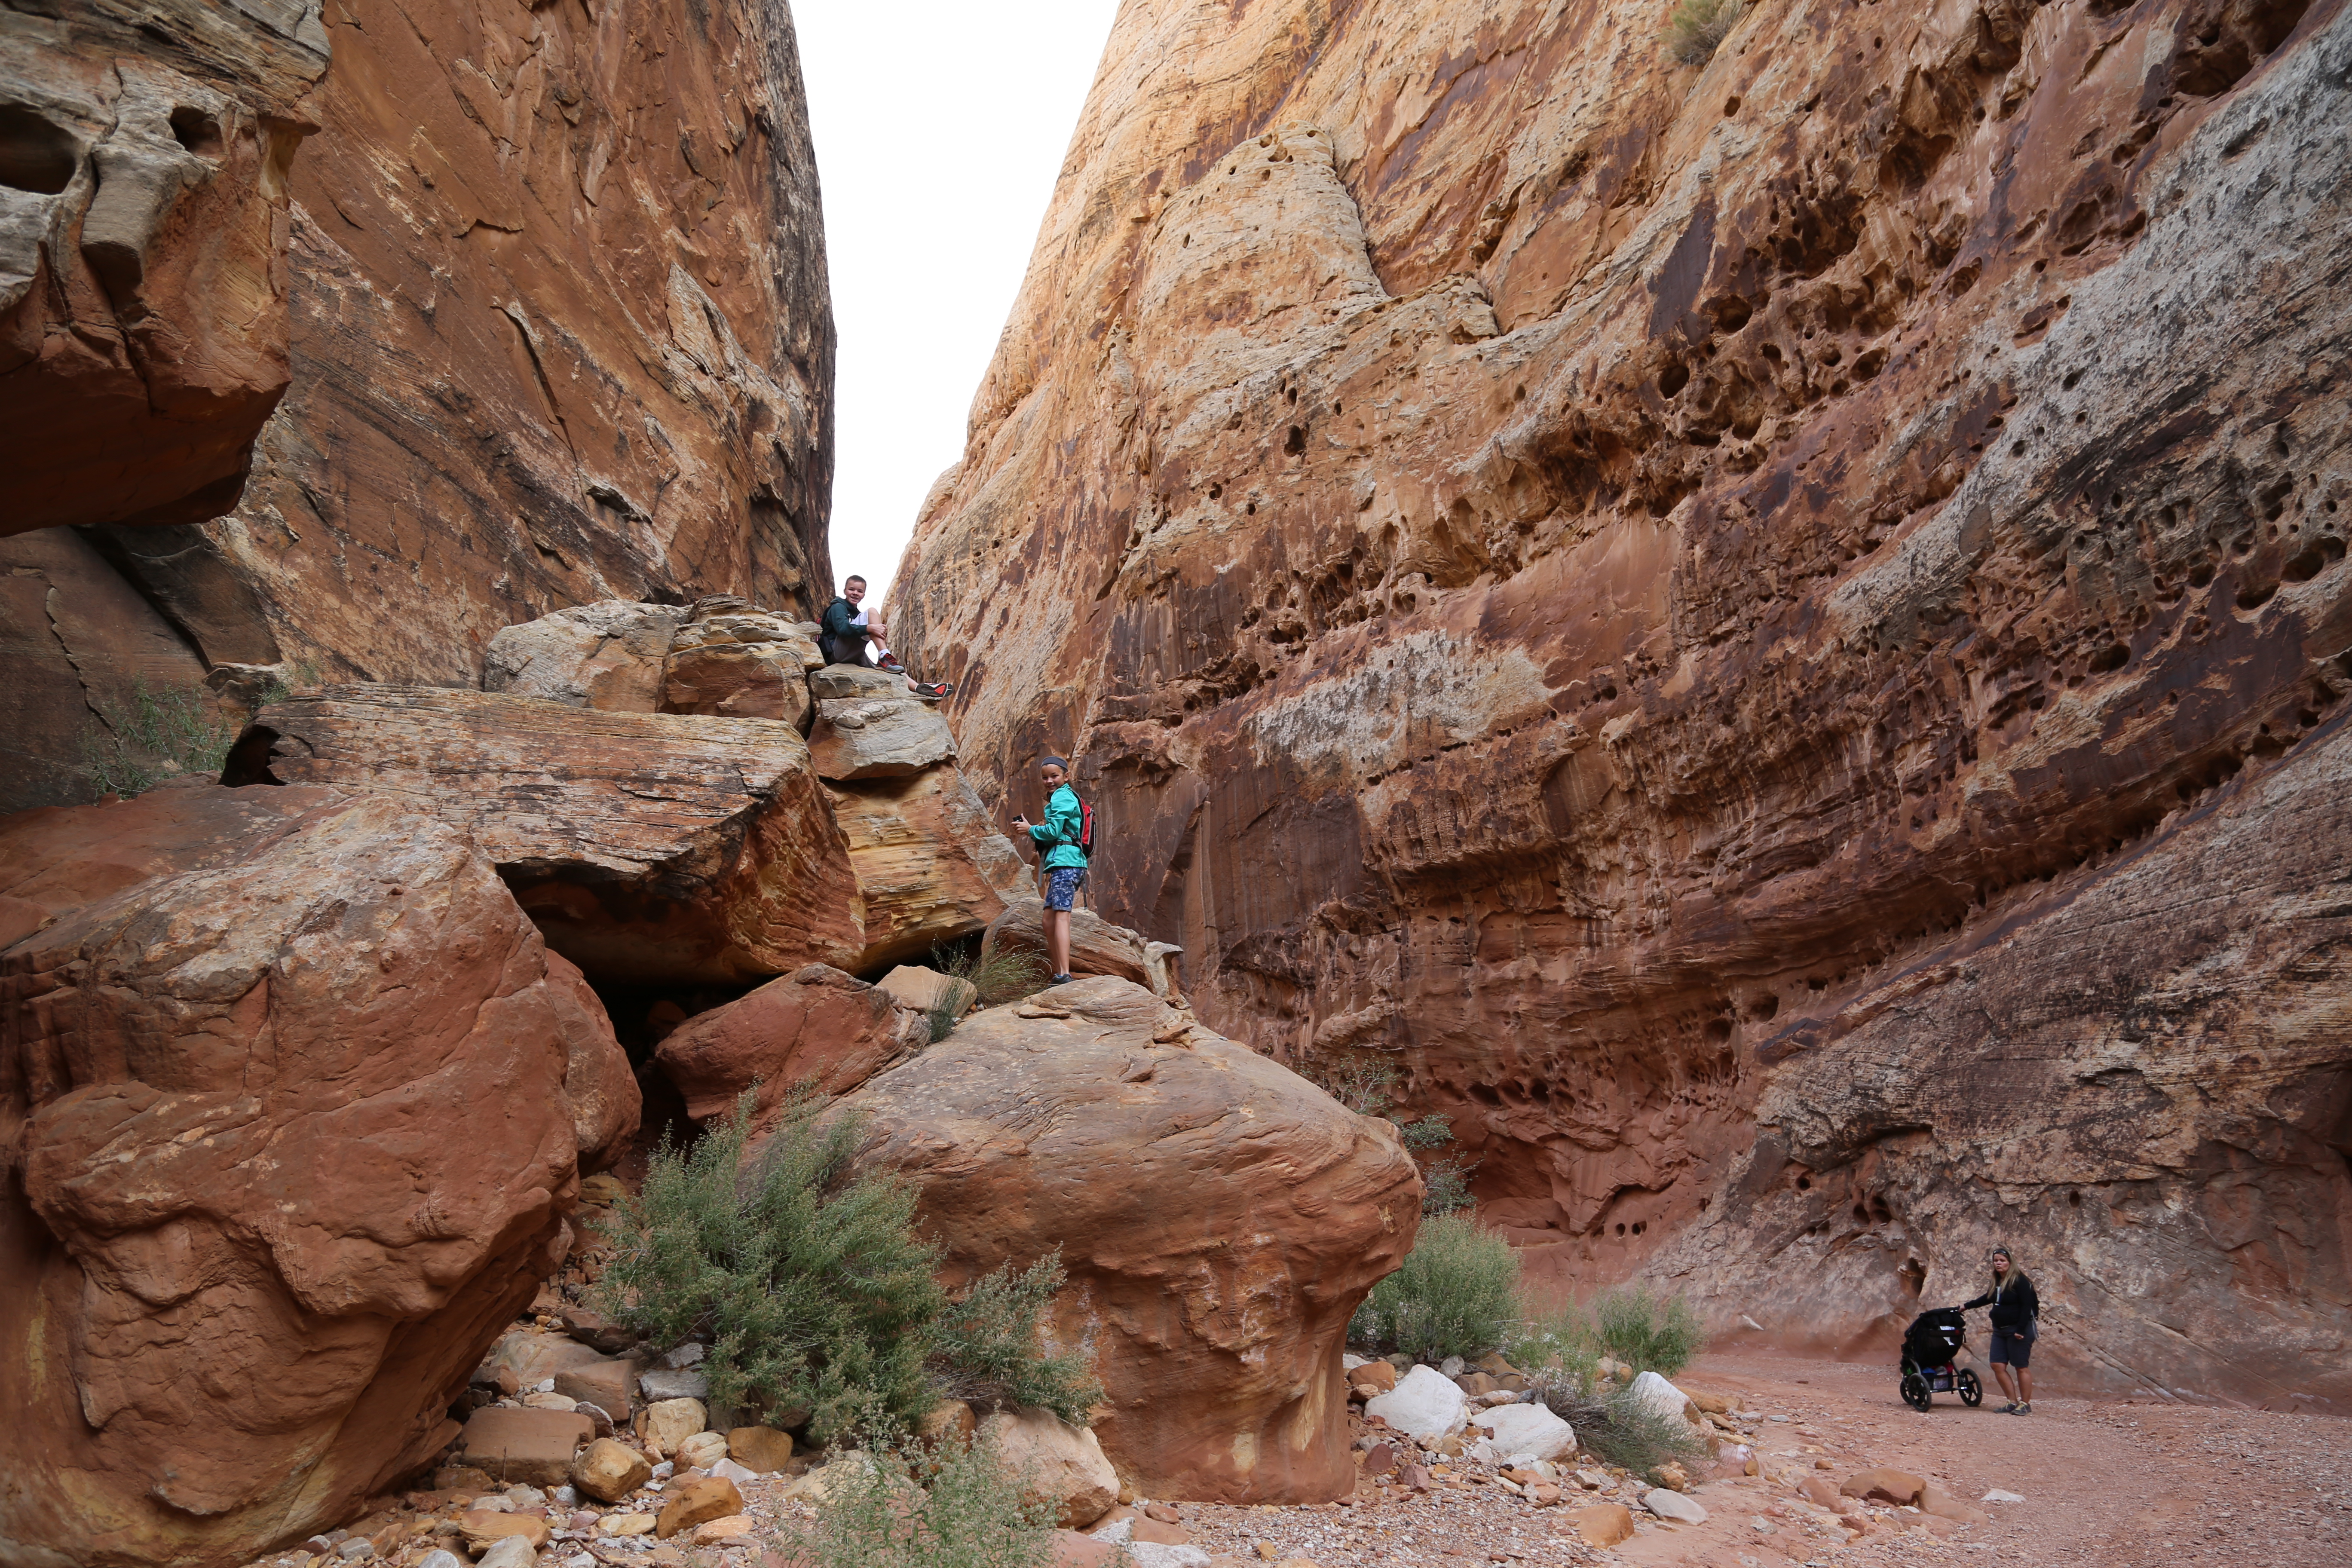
(985, 1346)
(1611, 1423)
(1555, 1349)
(809, 1283)
(178, 729)
(1647, 1331)
(1006, 974)
(954, 1505)
(1696, 28)
(1456, 1293)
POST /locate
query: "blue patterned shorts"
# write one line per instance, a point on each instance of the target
(1062, 886)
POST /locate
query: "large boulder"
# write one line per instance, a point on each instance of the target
(651, 847)
(610, 655)
(1064, 1465)
(1219, 1217)
(930, 864)
(873, 729)
(286, 1079)
(741, 664)
(1097, 946)
(814, 1025)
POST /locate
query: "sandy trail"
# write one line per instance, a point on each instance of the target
(2103, 1481)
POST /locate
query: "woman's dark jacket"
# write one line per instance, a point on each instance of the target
(2014, 1305)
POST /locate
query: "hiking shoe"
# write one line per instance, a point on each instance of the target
(2024, 1409)
(929, 693)
(2010, 1408)
(1059, 980)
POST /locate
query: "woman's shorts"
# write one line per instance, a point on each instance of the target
(2016, 1350)
(1062, 886)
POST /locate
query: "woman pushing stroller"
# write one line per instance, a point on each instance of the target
(2015, 1309)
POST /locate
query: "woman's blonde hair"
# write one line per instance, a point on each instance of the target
(2016, 1276)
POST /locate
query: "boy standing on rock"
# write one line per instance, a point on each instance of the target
(1061, 837)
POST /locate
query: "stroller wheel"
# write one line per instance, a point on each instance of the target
(1971, 1390)
(1917, 1394)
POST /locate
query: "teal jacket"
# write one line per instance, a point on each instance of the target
(1057, 835)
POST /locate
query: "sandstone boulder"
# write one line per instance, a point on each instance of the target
(609, 1471)
(295, 1144)
(761, 1449)
(875, 736)
(1660, 1398)
(920, 990)
(666, 1424)
(521, 1446)
(931, 865)
(1219, 1217)
(650, 848)
(1603, 1524)
(814, 1025)
(730, 680)
(609, 655)
(697, 1501)
(1064, 1464)
(1097, 946)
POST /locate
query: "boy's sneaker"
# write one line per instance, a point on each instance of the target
(892, 665)
(1058, 980)
(931, 693)
(2010, 1408)
(2024, 1409)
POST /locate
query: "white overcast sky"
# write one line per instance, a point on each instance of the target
(940, 131)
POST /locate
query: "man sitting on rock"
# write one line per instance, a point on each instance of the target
(848, 636)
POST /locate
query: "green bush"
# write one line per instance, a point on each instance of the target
(1621, 1429)
(1367, 1085)
(1647, 1331)
(985, 1346)
(1456, 1293)
(179, 730)
(1696, 28)
(1006, 974)
(815, 1294)
(953, 1506)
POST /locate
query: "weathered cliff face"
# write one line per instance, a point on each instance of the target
(560, 332)
(1772, 634)
(143, 158)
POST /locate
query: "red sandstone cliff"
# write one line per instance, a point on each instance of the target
(1775, 635)
(559, 331)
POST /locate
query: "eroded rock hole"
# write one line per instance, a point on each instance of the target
(35, 155)
(196, 131)
(1672, 379)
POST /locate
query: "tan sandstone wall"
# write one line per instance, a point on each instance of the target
(1773, 635)
(559, 331)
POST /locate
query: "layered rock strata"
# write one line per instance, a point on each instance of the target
(1592, 581)
(651, 847)
(556, 316)
(1220, 1219)
(294, 1102)
(144, 157)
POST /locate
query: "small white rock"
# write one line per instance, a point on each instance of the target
(686, 1356)
(1673, 1505)
(508, 1552)
(544, 1385)
(1151, 1554)
(567, 1496)
(526, 1496)
(492, 1504)
(1996, 1495)
(728, 1470)
(664, 1470)
(437, 1558)
(1654, 1393)
(1424, 1405)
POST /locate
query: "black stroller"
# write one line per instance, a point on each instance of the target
(1934, 1338)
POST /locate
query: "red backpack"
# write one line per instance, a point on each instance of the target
(1085, 826)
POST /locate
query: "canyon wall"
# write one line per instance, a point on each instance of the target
(557, 329)
(1772, 634)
